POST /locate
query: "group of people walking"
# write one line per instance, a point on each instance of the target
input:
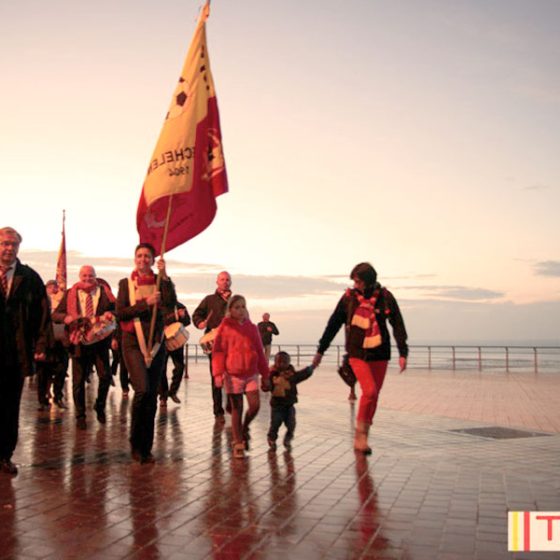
(145, 303)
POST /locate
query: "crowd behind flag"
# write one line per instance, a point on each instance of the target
(187, 168)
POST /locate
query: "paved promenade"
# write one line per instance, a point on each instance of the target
(429, 491)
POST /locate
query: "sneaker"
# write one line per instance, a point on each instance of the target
(175, 398)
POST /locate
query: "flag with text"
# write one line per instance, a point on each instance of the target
(188, 161)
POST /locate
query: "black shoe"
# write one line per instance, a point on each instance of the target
(271, 445)
(60, 403)
(8, 467)
(288, 443)
(125, 394)
(219, 419)
(81, 424)
(100, 414)
(174, 398)
(136, 456)
(43, 406)
(163, 402)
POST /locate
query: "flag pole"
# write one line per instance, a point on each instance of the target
(158, 281)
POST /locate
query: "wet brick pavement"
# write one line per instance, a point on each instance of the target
(428, 491)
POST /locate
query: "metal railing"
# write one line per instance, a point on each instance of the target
(434, 357)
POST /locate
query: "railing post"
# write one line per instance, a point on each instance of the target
(429, 357)
(479, 359)
(536, 360)
(507, 359)
(453, 358)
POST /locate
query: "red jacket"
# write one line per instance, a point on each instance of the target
(238, 350)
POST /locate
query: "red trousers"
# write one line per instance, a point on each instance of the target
(370, 376)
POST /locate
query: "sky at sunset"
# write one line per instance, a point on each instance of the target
(422, 136)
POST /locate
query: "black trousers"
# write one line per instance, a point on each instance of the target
(145, 382)
(217, 398)
(11, 385)
(52, 373)
(282, 415)
(95, 355)
(178, 359)
(118, 363)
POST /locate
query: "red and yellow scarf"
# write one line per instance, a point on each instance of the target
(364, 318)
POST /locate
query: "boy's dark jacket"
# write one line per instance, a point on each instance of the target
(283, 385)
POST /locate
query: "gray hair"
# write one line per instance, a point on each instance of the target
(10, 231)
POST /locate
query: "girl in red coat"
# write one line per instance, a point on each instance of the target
(237, 359)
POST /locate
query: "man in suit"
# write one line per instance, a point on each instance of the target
(85, 303)
(25, 335)
(208, 315)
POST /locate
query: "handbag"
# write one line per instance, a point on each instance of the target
(346, 372)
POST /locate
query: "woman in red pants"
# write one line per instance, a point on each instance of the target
(365, 310)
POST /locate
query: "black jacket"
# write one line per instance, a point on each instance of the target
(266, 335)
(283, 385)
(25, 320)
(213, 303)
(386, 309)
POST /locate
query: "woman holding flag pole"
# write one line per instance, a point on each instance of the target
(140, 301)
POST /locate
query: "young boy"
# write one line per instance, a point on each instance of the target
(283, 387)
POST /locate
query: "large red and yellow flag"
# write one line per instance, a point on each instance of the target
(188, 161)
(61, 274)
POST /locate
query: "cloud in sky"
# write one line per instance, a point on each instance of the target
(536, 187)
(458, 293)
(548, 268)
(199, 278)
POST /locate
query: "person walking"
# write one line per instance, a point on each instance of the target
(25, 336)
(237, 360)
(365, 311)
(136, 299)
(267, 329)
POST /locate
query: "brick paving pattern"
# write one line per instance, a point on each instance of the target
(427, 492)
